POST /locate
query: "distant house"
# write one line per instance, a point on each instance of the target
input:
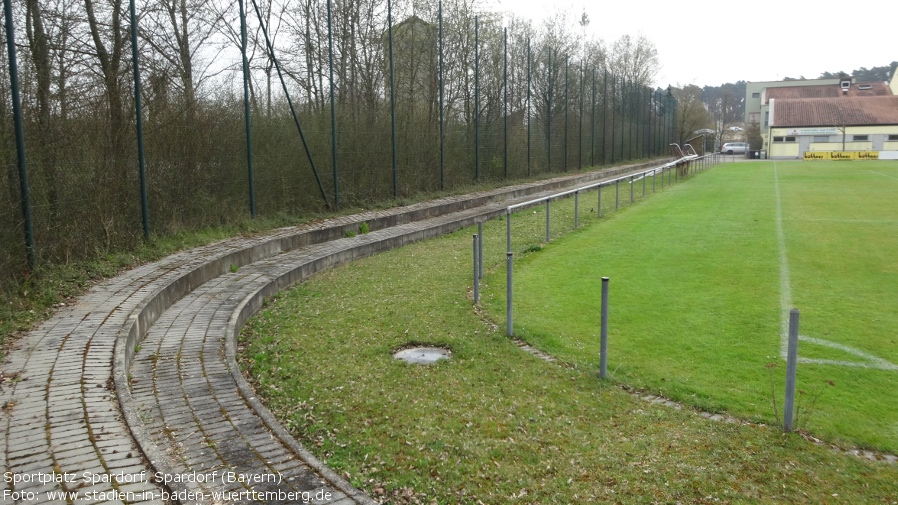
(841, 119)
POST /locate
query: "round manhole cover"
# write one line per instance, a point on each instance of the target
(423, 355)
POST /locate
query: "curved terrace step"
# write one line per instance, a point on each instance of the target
(68, 409)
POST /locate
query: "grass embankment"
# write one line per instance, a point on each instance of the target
(697, 285)
(495, 424)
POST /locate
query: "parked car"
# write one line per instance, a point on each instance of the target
(734, 148)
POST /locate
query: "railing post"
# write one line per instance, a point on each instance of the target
(603, 356)
(480, 249)
(616, 194)
(509, 291)
(576, 209)
(548, 231)
(508, 230)
(791, 364)
(476, 271)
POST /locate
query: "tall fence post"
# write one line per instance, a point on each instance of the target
(791, 365)
(509, 291)
(599, 204)
(442, 134)
(330, 59)
(548, 229)
(246, 112)
(476, 99)
(392, 100)
(138, 108)
(603, 350)
(576, 209)
(20, 135)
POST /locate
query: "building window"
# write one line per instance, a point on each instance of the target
(893, 137)
(756, 95)
(821, 138)
(860, 138)
(784, 139)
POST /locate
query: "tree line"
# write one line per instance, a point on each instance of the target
(446, 93)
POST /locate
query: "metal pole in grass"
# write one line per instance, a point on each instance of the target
(631, 189)
(603, 356)
(548, 231)
(791, 364)
(509, 282)
(599, 204)
(476, 271)
(643, 185)
(480, 249)
(576, 209)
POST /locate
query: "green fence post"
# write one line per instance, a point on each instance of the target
(20, 135)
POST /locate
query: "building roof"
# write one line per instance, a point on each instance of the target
(831, 91)
(842, 110)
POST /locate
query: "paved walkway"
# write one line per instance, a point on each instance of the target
(132, 394)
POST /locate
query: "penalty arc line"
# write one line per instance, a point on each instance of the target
(870, 361)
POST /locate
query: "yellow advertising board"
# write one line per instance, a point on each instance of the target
(841, 155)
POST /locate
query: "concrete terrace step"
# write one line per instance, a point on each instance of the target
(71, 412)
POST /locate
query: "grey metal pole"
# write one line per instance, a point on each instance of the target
(643, 185)
(476, 271)
(509, 290)
(576, 209)
(599, 204)
(603, 351)
(631, 189)
(548, 230)
(480, 249)
(617, 194)
(791, 364)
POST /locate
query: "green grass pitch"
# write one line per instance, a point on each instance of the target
(702, 277)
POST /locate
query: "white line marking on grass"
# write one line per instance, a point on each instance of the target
(882, 174)
(851, 221)
(869, 360)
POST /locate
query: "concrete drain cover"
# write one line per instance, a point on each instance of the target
(423, 355)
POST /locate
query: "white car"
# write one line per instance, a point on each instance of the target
(734, 148)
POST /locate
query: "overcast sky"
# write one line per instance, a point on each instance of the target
(711, 43)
